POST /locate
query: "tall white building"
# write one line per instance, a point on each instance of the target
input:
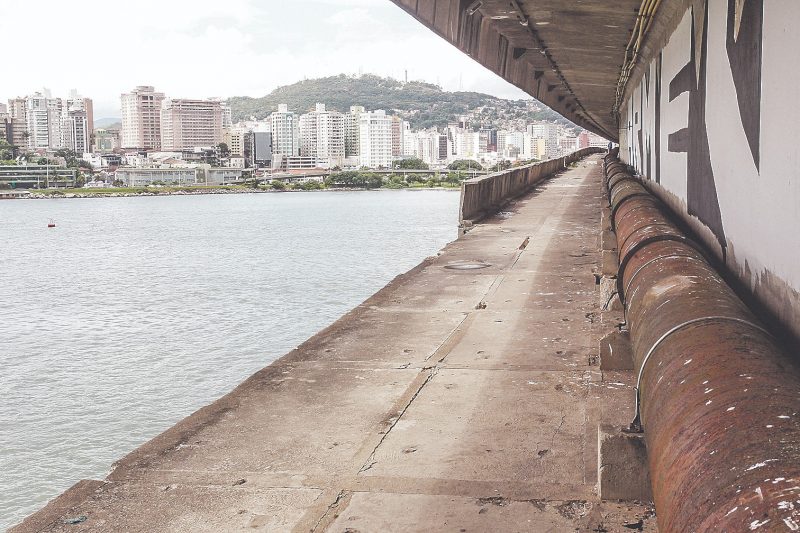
(43, 121)
(322, 137)
(75, 132)
(38, 121)
(410, 143)
(375, 140)
(352, 141)
(285, 133)
(466, 144)
(141, 118)
(76, 102)
(188, 123)
(227, 115)
(549, 132)
(429, 145)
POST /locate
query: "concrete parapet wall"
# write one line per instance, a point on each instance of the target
(484, 196)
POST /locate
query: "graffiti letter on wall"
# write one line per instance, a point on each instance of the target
(701, 192)
(743, 43)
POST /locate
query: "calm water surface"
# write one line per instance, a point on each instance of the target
(134, 312)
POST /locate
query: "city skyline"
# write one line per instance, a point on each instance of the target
(167, 128)
(239, 48)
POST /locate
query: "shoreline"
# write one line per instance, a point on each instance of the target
(210, 191)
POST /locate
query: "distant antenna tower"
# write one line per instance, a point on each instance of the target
(406, 75)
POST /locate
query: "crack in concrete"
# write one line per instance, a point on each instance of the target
(371, 460)
(339, 497)
(558, 429)
(445, 347)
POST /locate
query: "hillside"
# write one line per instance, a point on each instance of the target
(423, 104)
(111, 122)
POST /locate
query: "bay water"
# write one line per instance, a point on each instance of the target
(132, 313)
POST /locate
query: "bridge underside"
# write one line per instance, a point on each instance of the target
(568, 55)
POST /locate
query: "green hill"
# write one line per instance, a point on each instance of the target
(423, 104)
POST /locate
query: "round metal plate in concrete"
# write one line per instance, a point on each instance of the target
(467, 265)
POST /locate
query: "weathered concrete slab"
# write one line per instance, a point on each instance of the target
(450, 398)
(415, 513)
(506, 340)
(458, 428)
(287, 420)
(143, 508)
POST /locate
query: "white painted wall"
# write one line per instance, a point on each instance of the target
(759, 206)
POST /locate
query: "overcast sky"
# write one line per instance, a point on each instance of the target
(200, 48)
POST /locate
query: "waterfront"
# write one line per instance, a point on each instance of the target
(134, 312)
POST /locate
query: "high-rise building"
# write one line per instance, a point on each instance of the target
(227, 115)
(398, 132)
(549, 132)
(15, 125)
(375, 136)
(442, 146)
(16, 108)
(81, 103)
(17, 134)
(352, 140)
(511, 144)
(285, 133)
(429, 145)
(37, 122)
(465, 144)
(261, 149)
(487, 140)
(322, 136)
(14, 131)
(141, 118)
(75, 132)
(43, 121)
(188, 123)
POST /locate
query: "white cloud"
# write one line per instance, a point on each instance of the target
(237, 47)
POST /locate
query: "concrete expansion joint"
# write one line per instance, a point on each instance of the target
(432, 371)
(342, 499)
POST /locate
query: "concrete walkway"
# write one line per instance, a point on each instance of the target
(452, 400)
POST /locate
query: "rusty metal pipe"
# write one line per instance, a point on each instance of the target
(717, 396)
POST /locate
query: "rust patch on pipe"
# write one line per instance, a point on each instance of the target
(718, 397)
